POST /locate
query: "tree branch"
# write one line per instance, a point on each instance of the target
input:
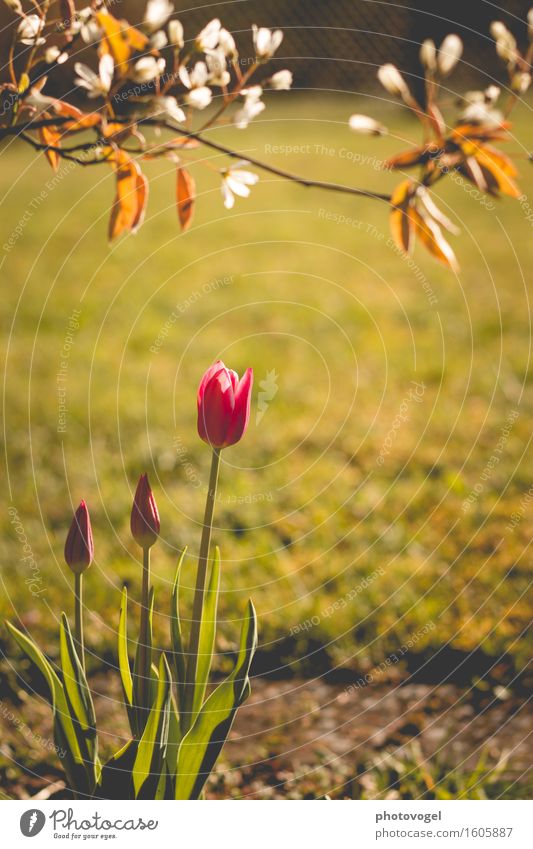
(21, 129)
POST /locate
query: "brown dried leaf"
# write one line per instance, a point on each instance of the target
(186, 196)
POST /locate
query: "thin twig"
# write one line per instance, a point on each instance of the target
(21, 129)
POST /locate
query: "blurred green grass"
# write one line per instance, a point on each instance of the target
(281, 283)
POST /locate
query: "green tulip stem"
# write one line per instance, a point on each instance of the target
(78, 616)
(203, 560)
(144, 659)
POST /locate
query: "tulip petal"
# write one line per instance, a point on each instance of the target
(215, 410)
(211, 371)
(241, 414)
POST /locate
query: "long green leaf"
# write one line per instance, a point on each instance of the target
(201, 746)
(64, 732)
(153, 743)
(178, 651)
(74, 680)
(38, 659)
(206, 641)
(174, 740)
(123, 660)
(126, 677)
(79, 701)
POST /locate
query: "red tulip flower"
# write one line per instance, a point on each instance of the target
(79, 547)
(144, 521)
(223, 405)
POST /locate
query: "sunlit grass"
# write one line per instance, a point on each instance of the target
(306, 284)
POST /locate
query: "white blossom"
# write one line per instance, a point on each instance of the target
(29, 30)
(54, 54)
(391, 80)
(281, 80)
(158, 40)
(449, 54)
(208, 38)
(216, 65)
(196, 78)
(175, 33)
(86, 25)
(366, 125)
(521, 82)
(505, 42)
(266, 41)
(199, 95)
(15, 6)
(157, 14)
(97, 85)
(226, 43)
(236, 181)
(428, 54)
(168, 107)
(480, 107)
(38, 101)
(252, 107)
(147, 68)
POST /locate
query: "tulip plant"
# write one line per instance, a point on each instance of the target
(178, 723)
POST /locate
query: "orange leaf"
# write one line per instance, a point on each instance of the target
(494, 163)
(413, 157)
(186, 195)
(120, 39)
(130, 198)
(92, 119)
(431, 237)
(51, 136)
(475, 131)
(400, 223)
(142, 198)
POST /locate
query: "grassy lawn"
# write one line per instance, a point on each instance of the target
(354, 531)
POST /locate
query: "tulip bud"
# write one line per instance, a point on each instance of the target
(391, 79)
(449, 54)
(79, 546)
(428, 54)
(366, 125)
(223, 405)
(144, 522)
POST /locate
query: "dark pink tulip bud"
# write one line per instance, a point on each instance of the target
(144, 521)
(79, 547)
(224, 405)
